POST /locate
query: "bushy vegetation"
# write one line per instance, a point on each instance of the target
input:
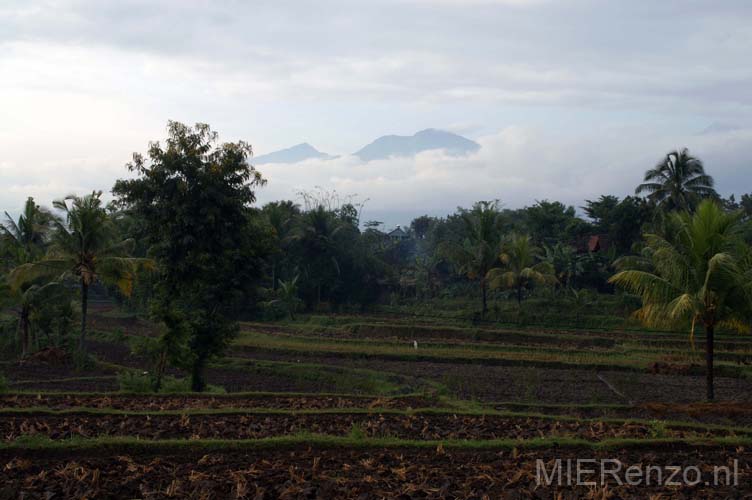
(143, 383)
(183, 243)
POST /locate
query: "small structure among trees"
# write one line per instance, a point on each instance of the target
(398, 234)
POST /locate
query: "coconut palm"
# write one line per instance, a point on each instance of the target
(84, 244)
(287, 296)
(678, 182)
(522, 266)
(28, 235)
(568, 266)
(700, 275)
(478, 251)
(33, 297)
(26, 239)
(281, 216)
(316, 235)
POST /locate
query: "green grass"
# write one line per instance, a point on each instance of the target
(618, 358)
(200, 395)
(342, 379)
(127, 445)
(62, 380)
(658, 425)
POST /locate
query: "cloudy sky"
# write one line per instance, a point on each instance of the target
(569, 99)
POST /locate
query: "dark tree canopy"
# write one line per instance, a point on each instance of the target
(621, 220)
(677, 182)
(194, 195)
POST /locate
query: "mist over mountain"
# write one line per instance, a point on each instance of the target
(387, 146)
(410, 145)
(294, 154)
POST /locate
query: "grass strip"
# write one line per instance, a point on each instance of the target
(656, 424)
(62, 380)
(223, 396)
(125, 445)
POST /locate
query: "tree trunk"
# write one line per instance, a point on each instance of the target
(484, 293)
(161, 366)
(84, 308)
(709, 361)
(198, 384)
(24, 330)
(519, 296)
(274, 274)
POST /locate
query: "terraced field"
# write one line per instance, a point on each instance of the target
(349, 407)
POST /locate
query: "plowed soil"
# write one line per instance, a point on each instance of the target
(167, 402)
(732, 413)
(257, 426)
(355, 473)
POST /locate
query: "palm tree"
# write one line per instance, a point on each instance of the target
(677, 182)
(32, 298)
(477, 252)
(281, 216)
(522, 266)
(84, 245)
(28, 234)
(27, 238)
(566, 263)
(426, 280)
(316, 233)
(287, 296)
(701, 275)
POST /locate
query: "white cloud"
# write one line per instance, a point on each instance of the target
(516, 165)
(586, 94)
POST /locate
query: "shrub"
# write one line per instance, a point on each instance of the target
(144, 383)
(83, 361)
(356, 432)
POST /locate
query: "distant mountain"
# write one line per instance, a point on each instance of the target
(402, 145)
(294, 154)
(383, 147)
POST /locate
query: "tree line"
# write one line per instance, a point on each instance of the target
(183, 241)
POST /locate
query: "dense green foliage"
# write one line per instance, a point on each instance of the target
(184, 243)
(702, 273)
(86, 246)
(193, 200)
(678, 182)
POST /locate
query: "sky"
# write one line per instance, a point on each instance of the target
(568, 99)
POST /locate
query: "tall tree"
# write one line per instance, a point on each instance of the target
(478, 251)
(523, 265)
(701, 275)
(677, 182)
(281, 216)
(29, 234)
(85, 245)
(25, 240)
(194, 198)
(421, 225)
(315, 237)
(566, 263)
(621, 220)
(551, 221)
(34, 297)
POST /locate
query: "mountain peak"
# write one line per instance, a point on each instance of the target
(424, 140)
(294, 154)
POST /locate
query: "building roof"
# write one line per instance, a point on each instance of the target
(398, 231)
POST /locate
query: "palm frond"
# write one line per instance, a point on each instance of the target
(26, 274)
(653, 289)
